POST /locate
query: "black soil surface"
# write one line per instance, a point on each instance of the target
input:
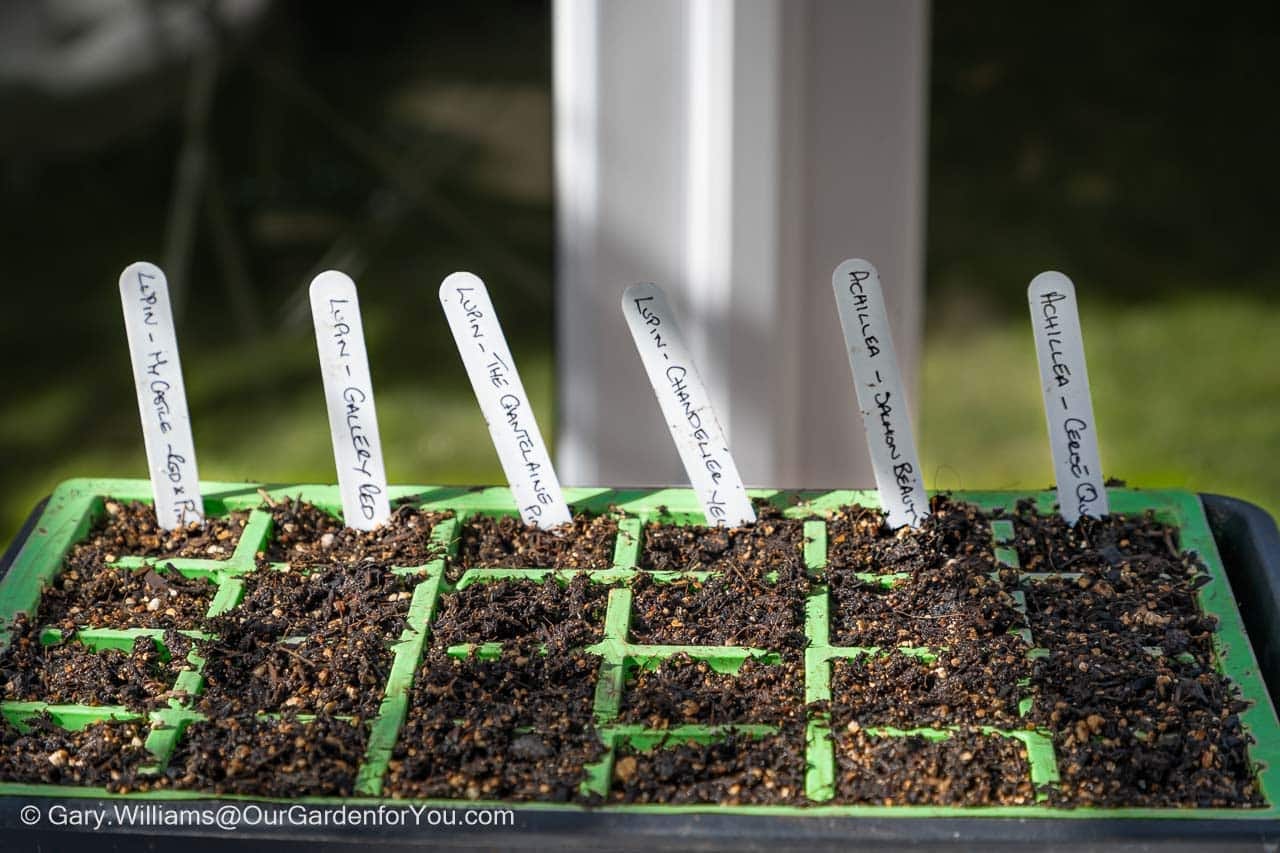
(947, 595)
(773, 544)
(756, 599)
(269, 757)
(1139, 714)
(524, 612)
(720, 611)
(1131, 728)
(517, 728)
(969, 768)
(332, 673)
(951, 600)
(1046, 543)
(89, 593)
(71, 673)
(858, 540)
(737, 769)
(1156, 612)
(586, 543)
(130, 529)
(966, 683)
(305, 535)
(106, 754)
(682, 690)
(1126, 684)
(311, 642)
(363, 597)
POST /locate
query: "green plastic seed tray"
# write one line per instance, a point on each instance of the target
(76, 505)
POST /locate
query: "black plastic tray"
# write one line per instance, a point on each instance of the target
(1248, 541)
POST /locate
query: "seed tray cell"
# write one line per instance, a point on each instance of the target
(76, 505)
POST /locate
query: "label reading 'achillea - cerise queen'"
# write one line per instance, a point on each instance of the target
(686, 406)
(878, 383)
(1068, 405)
(162, 396)
(503, 401)
(348, 394)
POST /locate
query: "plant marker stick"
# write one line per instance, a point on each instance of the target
(503, 401)
(162, 397)
(686, 406)
(348, 395)
(881, 399)
(1067, 403)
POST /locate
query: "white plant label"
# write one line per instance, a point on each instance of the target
(686, 407)
(1068, 405)
(348, 395)
(881, 399)
(503, 401)
(162, 397)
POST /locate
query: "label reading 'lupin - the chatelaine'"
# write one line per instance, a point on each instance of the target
(503, 401)
(348, 394)
(686, 407)
(162, 396)
(1068, 405)
(878, 383)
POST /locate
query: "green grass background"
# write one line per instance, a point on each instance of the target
(408, 145)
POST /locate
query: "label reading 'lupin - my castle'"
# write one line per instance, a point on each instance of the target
(162, 396)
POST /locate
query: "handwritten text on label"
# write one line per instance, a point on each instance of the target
(1068, 404)
(348, 390)
(878, 384)
(686, 407)
(503, 401)
(162, 398)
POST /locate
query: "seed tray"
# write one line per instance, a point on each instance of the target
(77, 504)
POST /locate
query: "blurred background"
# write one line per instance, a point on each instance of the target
(246, 146)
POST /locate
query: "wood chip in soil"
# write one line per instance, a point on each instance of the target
(130, 529)
(970, 682)
(858, 540)
(586, 543)
(683, 690)
(969, 768)
(265, 757)
(305, 535)
(516, 728)
(950, 602)
(520, 612)
(71, 673)
(90, 593)
(104, 754)
(735, 770)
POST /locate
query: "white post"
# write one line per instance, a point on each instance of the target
(735, 152)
